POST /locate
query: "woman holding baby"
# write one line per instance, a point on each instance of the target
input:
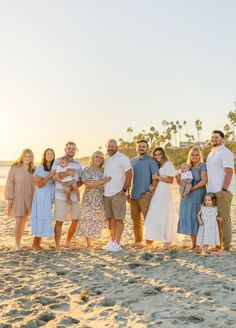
(190, 202)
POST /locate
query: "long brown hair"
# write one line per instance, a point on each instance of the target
(19, 161)
(161, 150)
(44, 161)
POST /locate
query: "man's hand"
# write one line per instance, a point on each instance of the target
(148, 195)
(223, 193)
(123, 194)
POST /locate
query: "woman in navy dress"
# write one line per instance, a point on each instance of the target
(41, 221)
(189, 207)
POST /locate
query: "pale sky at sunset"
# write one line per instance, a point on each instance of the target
(87, 70)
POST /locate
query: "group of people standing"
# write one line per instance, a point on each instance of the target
(110, 182)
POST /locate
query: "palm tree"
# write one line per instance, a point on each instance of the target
(232, 119)
(227, 131)
(164, 124)
(198, 125)
(129, 130)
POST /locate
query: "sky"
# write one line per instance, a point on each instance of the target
(86, 70)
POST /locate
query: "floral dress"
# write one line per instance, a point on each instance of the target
(92, 218)
(208, 233)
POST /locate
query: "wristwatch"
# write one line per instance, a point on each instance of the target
(224, 189)
(124, 189)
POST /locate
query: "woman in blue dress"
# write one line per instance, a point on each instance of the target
(41, 220)
(189, 207)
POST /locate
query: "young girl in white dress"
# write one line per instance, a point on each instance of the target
(208, 233)
(161, 220)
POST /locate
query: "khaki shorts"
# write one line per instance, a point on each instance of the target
(63, 210)
(115, 207)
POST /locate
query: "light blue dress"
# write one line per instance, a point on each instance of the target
(41, 219)
(189, 207)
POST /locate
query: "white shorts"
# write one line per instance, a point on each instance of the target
(63, 210)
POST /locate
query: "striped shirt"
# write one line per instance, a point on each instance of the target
(59, 189)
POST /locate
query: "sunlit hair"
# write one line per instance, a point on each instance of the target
(72, 143)
(113, 141)
(92, 158)
(212, 197)
(44, 161)
(189, 160)
(142, 140)
(163, 154)
(19, 161)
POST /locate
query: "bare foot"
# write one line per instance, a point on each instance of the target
(138, 244)
(216, 249)
(197, 250)
(148, 246)
(67, 244)
(166, 247)
(36, 248)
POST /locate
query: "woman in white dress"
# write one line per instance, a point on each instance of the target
(161, 220)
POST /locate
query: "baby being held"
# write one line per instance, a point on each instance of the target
(186, 178)
(69, 183)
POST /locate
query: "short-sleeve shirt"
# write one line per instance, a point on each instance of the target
(115, 167)
(143, 169)
(59, 189)
(186, 175)
(61, 169)
(219, 159)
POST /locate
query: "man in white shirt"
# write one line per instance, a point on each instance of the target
(220, 171)
(118, 167)
(62, 208)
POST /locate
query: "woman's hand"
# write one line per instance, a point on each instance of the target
(106, 179)
(155, 176)
(9, 206)
(177, 178)
(9, 203)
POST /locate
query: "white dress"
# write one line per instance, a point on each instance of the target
(208, 233)
(161, 219)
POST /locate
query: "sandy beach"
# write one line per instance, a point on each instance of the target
(133, 288)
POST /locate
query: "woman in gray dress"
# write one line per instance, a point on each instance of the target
(92, 219)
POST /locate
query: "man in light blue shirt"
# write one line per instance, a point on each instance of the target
(144, 166)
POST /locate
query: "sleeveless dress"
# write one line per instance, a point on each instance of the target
(41, 220)
(161, 220)
(189, 207)
(208, 233)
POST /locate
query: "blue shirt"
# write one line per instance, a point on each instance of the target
(143, 169)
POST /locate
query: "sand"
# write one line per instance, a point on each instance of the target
(134, 288)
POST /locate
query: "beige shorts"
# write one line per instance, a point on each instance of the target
(63, 210)
(115, 207)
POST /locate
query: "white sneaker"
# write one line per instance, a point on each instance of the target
(108, 244)
(114, 247)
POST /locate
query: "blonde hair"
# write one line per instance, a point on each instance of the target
(189, 161)
(19, 161)
(96, 153)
